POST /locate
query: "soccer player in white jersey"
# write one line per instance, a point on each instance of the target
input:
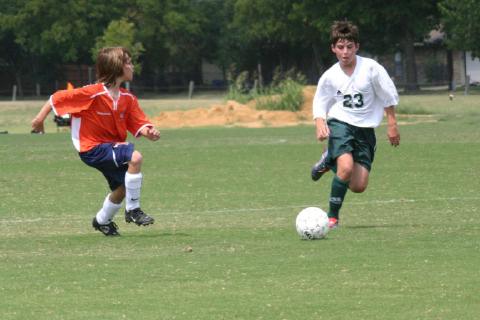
(351, 99)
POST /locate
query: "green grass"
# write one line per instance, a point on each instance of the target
(408, 248)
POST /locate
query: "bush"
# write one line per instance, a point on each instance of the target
(284, 93)
(238, 88)
(287, 95)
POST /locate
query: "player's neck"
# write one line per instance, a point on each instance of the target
(349, 68)
(114, 90)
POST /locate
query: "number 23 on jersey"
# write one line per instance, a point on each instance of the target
(353, 101)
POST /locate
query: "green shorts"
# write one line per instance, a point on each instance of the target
(346, 138)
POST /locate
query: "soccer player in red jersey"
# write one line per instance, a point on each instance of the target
(101, 114)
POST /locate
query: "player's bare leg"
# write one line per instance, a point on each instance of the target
(359, 178)
(345, 166)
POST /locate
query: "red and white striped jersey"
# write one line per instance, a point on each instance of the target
(96, 117)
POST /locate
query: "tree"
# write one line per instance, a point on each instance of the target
(399, 26)
(63, 30)
(276, 33)
(298, 28)
(384, 26)
(37, 35)
(312, 20)
(12, 55)
(460, 19)
(41, 34)
(120, 33)
(177, 33)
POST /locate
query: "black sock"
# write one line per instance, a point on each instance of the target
(337, 194)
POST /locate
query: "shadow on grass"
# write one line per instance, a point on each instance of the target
(124, 235)
(154, 235)
(383, 226)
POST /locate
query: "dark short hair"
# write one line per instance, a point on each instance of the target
(343, 30)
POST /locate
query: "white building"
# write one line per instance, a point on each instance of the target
(472, 68)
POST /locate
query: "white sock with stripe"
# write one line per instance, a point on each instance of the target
(108, 211)
(133, 184)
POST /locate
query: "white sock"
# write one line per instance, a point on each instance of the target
(108, 211)
(133, 184)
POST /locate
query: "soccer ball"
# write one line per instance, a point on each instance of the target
(312, 223)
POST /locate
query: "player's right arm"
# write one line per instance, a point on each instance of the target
(322, 101)
(67, 102)
(322, 129)
(37, 122)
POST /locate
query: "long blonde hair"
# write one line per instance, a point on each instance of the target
(110, 62)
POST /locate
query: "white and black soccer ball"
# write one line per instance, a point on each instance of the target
(312, 223)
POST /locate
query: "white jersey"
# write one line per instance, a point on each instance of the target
(358, 99)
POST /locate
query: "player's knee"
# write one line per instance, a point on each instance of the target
(357, 188)
(345, 173)
(136, 158)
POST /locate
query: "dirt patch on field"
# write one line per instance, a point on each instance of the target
(233, 113)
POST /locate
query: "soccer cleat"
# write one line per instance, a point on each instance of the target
(110, 229)
(320, 167)
(139, 217)
(332, 223)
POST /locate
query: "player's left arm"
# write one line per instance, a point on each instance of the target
(386, 90)
(384, 86)
(151, 133)
(392, 126)
(139, 124)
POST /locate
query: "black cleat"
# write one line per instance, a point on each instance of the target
(320, 167)
(139, 217)
(110, 229)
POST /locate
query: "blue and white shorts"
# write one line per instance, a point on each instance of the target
(111, 159)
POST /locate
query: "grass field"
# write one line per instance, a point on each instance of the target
(408, 248)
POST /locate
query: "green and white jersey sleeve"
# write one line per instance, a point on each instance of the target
(358, 99)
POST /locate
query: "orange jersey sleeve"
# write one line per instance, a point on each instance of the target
(136, 119)
(97, 117)
(76, 100)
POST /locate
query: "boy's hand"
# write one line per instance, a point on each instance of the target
(392, 128)
(393, 135)
(322, 129)
(37, 126)
(37, 122)
(151, 133)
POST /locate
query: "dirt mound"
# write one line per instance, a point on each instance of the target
(233, 113)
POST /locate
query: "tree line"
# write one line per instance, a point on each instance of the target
(40, 36)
